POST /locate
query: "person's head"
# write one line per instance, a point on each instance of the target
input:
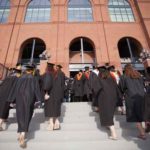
(29, 69)
(104, 74)
(131, 72)
(101, 68)
(111, 68)
(80, 72)
(18, 64)
(87, 69)
(18, 69)
(50, 67)
(59, 67)
(55, 67)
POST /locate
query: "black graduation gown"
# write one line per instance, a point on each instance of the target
(46, 83)
(63, 77)
(147, 106)
(94, 84)
(5, 89)
(78, 87)
(53, 104)
(134, 97)
(107, 97)
(26, 92)
(87, 88)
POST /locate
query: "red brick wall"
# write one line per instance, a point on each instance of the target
(58, 33)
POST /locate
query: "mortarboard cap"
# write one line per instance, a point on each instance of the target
(111, 68)
(102, 68)
(18, 64)
(50, 64)
(29, 67)
(17, 69)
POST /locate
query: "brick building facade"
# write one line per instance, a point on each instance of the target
(116, 32)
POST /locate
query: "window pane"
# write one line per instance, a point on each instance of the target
(119, 18)
(80, 11)
(40, 11)
(113, 18)
(122, 10)
(4, 10)
(125, 18)
(131, 19)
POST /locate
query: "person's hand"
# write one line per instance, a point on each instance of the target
(47, 96)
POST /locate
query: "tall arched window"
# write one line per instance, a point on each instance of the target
(79, 11)
(120, 11)
(4, 10)
(38, 11)
(31, 49)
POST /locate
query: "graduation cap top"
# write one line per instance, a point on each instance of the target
(17, 69)
(10, 68)
(18, 64)
(50, 64)
(111, 68)
(102, 68)
(30, 67)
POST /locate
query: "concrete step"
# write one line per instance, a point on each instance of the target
(68, 126)
(126, 144)
(80, 129)
(61, 135)
(70, 123)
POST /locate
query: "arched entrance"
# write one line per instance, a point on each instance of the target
(81, 54)
(129, 51)
(30, 51)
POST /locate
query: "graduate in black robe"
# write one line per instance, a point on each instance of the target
(63, 78)
(147, 106)
(87, 86)
(115, 74)
(26, 92)
(78, 87)
(6, 88)
(107, 98)
(54, 99)
(94, 79)
(132, 85)
(47, 80)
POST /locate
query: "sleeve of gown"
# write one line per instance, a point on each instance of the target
(119, 93)
(46, 82)
(122, 85)
(95, 84)
(13, 92)
(63, 81)
(37, 90)
(73, 88)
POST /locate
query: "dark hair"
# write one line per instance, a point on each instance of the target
(49, 69)
(105, 74)
(131, 72)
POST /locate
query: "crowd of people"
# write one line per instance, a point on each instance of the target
(103, 86)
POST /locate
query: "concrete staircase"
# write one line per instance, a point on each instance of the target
(80, 130)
